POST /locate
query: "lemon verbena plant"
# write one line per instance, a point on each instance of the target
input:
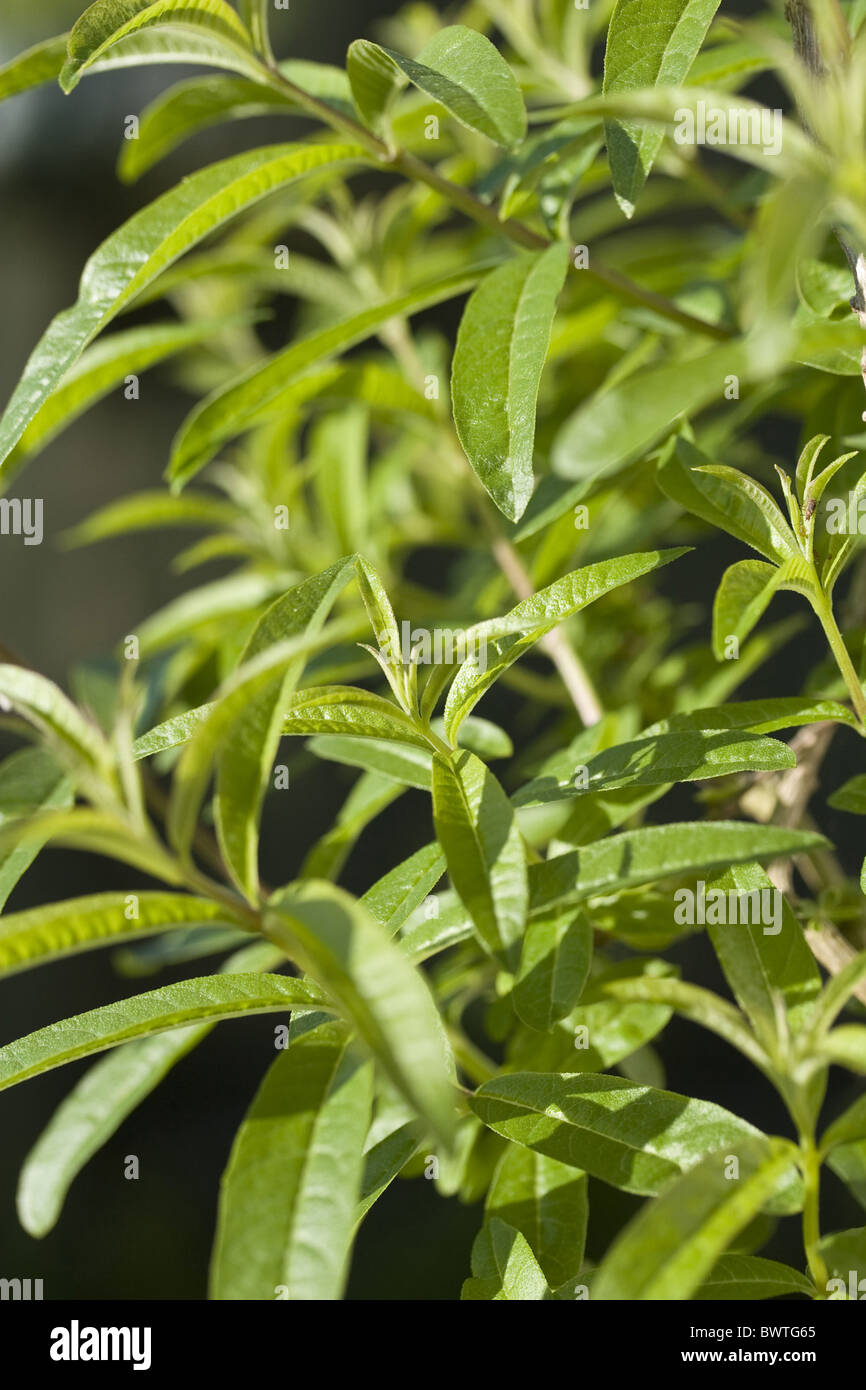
(568, 295)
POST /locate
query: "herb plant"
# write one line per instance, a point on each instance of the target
(425, 529)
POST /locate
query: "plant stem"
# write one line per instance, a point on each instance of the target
(566, 660)
(811, 1169)
(824, 612)
(402, 162)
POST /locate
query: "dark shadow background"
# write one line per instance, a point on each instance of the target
(150, 1238)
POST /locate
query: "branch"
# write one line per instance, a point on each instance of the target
(402, 162)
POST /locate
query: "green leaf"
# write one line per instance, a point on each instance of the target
(288, 1196)
(391, 1143)
(504, 1267)
(742, 598)
(104, 366)
(851, 796)
(247, 714)
(249, 746)
(848, 1162)
(501, 349)
(211, 998)
(844, 1253)
(767, 959)
(395, 897)
(37, 65)
(684, 756)
(144, 511)
(671, 1246)
(620, 425)
(375, 78)
(466, 74)
(254, 14)
(340, 944)
(650, 43)
(30, 781)
(106, 1094)
(654, 852)
(224, 40)
(151, 240)
(60, 929)
(846, 1046)
(412, 767)
(850, 1125)
(251, 398)
(602, 1030)
(699, 1005)
(45, 706)
(633, 1137)
(449, 926)
(757, 716)
(737, 1276)
(554, 965)
(727, 499)
(547, 1203)
(89, 1115)
(835, 995)
(202, 102)
(532, 619)
(477, 829)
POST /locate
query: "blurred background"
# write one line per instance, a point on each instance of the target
(150, 1238)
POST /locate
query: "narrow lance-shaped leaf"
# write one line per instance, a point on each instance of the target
(255, 678)
(103, 367)
(37, 65)
(491, 652)
(742, 598)
(504, 1267)
(617, 426)
(727, 499)
(251, 397)
(737, 1276)
(765, 958)
(103, 1098)
(467, 74)
(649, 43)
(342, 946)
(222, 38)
(633, 1137)
(554, 965)
(548, 1203)
(672, 1244)
(477, 828)
(249, 743)
(59, 929)
(375, 78)
(654, 852)
(30, 782)
(202, 102)
(211, 998)
(45, 706)
(287, 1202)
(501, 348)
(684, 756)
(151, 240)
(395, 896)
